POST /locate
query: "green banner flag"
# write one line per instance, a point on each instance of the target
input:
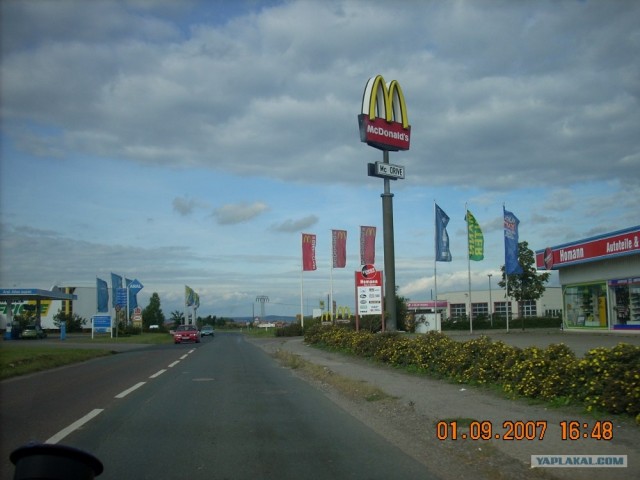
(475, 237)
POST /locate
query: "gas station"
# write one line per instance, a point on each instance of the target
(11, 296)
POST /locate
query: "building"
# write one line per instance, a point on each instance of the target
(485, 303)
(82, 301)
(600, 279)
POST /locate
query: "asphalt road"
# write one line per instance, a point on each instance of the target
(223, 409)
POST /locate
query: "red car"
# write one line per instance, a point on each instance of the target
(186, 333)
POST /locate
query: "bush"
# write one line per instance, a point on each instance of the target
(606, 378)
(291, 330)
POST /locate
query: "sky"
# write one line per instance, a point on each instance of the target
(191, 143)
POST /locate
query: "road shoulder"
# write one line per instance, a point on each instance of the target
(420, 402)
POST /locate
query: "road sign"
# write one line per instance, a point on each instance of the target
(387, 170)
(121, 297)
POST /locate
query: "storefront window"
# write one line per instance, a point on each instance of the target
(528, 308)
(625, 299)
(585, 305)
(458, 310)
(480, 310)
(502, 308)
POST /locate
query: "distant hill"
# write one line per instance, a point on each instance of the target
(268, 318)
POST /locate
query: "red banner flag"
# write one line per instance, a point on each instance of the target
(308, 251)
(367, 245)
(339, 238)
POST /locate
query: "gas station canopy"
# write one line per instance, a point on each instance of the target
(11, 295)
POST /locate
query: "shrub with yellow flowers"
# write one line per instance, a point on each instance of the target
(606, 379)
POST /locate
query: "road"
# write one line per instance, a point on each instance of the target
(222, 409)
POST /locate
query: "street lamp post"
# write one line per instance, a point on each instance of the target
(490, 302)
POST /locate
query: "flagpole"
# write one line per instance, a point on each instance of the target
(435, 258)
(301, 290)
(466, 216)
(331, 277)
(506, 276)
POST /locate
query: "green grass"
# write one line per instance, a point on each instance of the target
(143, 339)
(22, 360)
(354, 389)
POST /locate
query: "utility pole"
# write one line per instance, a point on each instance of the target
(262, 299)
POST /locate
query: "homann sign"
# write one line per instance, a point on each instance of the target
(383, 122)
(615, 244)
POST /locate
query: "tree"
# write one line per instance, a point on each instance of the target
(152, 313)
(177, 318)
(401, 312)
(73, 322)
(528, 285)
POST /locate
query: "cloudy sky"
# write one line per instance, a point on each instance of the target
(190, 143)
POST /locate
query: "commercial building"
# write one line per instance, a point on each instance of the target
(484, 303)
(600, 280)
(68, 300)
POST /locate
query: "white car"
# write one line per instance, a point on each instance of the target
(207, 330)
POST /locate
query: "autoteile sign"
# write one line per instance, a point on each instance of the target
(383, 121)
(610, 245)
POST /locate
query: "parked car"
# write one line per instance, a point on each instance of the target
(33, 331)
(207, 330)
(186, 333)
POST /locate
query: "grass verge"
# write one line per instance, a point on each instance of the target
(18, 361)
(142, 339)
(354, 389)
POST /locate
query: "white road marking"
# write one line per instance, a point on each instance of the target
(158, 373)
(74, 426)
(129, 390)
(171, 365)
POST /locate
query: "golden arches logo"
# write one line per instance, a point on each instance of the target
(380, 100)
(383, 120)
(368, 231)
(308, 238)
(342, 313)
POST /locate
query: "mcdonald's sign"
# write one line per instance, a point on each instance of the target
(343, 313)
(383, 121)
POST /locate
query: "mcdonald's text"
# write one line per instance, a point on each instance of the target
(384, 135)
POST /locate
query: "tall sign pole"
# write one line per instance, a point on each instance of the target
(384, 125)
(389, 250)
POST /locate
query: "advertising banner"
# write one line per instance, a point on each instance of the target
(308, 252)
(511, 263)
(367, 245)
(339, 241)
(443, 254)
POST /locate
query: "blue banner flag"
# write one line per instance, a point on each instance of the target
(102, 290)
(511, 264)
(116, 283)
(443, 254)
(134, 286)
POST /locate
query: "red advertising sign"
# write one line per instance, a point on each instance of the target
(624, 242)
(369, 293)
